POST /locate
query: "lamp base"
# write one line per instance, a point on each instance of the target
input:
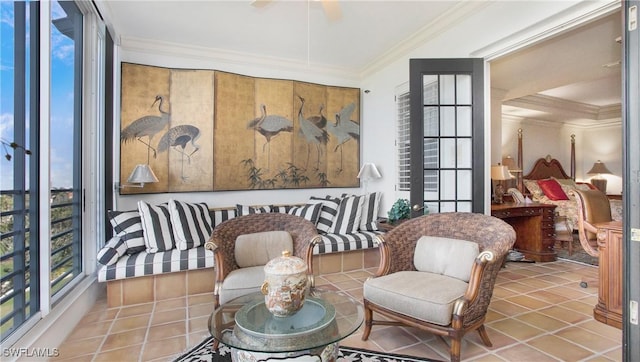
(600, 184)
(498, 194)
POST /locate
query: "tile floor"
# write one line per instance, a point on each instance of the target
(538, 313)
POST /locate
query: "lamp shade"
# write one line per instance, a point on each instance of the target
(142, 174)
(369, 171)
(599, 168)
(500, 172)
(510, 163)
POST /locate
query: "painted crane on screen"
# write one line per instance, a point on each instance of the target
(312, 133)
(147, 126)
(269, 126)
(178, 137)
(344, 129)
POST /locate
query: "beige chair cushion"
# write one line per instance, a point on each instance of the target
(241, 282)
(426, 296)
(258, 248)
(445, 256)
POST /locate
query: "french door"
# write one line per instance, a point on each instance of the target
(447, 135)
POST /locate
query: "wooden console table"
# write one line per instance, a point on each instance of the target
(535, 228)
(609, 307)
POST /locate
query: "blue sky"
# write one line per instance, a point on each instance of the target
(61, 99)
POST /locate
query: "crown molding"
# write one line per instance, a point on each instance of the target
(566, 108)
(448, 19)
(232, 57)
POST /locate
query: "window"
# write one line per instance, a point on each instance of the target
(43, 151)
(402, 142)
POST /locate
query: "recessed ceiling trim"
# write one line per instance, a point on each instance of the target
(548, 104)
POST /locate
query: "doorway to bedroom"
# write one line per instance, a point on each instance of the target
(561, 98)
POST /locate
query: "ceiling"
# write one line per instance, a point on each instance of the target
(559, 80)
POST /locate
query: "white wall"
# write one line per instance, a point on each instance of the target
(475, 33)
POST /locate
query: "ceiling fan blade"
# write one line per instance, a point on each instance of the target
(332, 9)
(260, 3)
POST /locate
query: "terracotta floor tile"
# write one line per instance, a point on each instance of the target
(84, 331)
(77, 348)
(163, 348)
(127, 354)
(125, 324)
(124, 339)
(527, 302)
(587, 339)
(524, 353)
(171, 304)
(542, 321)
(559, 348)
(564, 314)
(134, 310)
(164, 331)
(516, 329)
(173, 315)
(538, 313)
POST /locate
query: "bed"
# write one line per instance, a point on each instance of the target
(547, 182)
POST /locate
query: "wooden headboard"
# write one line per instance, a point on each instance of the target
(545, 168)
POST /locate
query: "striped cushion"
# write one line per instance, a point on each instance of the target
(191, 224)
(246, 210)
(221, 215)
(370, 207)
(112, 251)
(327, 213)
(128, 227)
(347, 221)
(310, 212)
(145, 263)
(333, 243)
(156, 223)
(283, 209)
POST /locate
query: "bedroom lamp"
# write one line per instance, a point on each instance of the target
(141, 174)
(599, 169)
(367, 172)
(499, 173)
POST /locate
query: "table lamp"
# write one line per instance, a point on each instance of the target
(499, 173)
(599, 169)
(368, 172)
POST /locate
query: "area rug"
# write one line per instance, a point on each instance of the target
(578, 254)
(203, 352)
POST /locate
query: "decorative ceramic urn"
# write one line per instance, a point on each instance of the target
(285, 284)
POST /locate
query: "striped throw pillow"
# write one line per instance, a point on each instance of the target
(156, 223)
(128, 227)
(246, 210)
(328, 212)
(191, 223)
(370, 207)
(310, 212)
(347, 220)
(112, 251)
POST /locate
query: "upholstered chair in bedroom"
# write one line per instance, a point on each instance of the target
(243, 245)
(437, 274)
(593, 207)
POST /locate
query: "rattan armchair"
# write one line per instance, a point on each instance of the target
(467, 309)
(223, 238)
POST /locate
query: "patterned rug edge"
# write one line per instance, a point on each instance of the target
(347, 354)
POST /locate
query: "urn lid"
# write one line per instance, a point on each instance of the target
(286, 264)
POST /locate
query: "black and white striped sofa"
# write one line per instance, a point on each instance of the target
(335, 224)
